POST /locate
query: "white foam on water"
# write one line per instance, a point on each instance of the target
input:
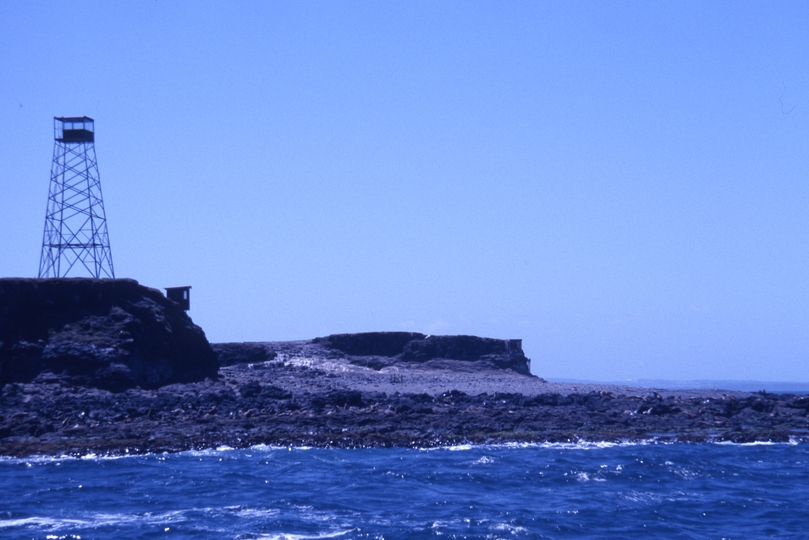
(578, 445)
(291, 536)
(791, 442)
(42, 523)
(509, 528)
(582, 476)
(258, 448)
(207, 452)
(267, 448)
(460, 448)
(252, 512)
(44, 459)
(95, 520)
(308, 513)
(173, 516)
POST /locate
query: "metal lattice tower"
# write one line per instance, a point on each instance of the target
(75, 237)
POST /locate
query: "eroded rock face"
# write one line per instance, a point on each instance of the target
(380, 349)
(370, 343)
(468, 348)
(229, 354)
(108, 333)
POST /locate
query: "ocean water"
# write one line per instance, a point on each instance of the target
(534, 491)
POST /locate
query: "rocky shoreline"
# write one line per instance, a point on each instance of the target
(73, 397)
(308, 395)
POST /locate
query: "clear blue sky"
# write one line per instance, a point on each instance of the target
(623, 185)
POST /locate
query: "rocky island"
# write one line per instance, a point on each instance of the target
(113, 367)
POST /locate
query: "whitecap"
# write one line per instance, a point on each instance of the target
(291, 536)
(248, 512)
(753, 443)
(42, 522)
(45, 459)
(94, 520)
(573, 445)
(507, 527)
(459, 448)
(267, 448)
(172, 516)
(578, 445)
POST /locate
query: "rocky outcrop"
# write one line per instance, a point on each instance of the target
(499, 353)
(106, 333)
(229, 354)
(382, 349)
(386, 344)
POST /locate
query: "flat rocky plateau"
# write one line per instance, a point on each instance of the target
(112, 367)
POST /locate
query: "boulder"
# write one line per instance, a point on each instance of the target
(107, 333)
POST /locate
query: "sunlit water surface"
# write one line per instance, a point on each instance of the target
(541, 491)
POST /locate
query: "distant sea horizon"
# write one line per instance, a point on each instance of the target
(774, 387)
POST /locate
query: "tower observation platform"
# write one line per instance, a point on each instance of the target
(74, 129)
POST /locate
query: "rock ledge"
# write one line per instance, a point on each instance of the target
(380, 350)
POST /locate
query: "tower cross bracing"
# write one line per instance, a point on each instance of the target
(75, 239)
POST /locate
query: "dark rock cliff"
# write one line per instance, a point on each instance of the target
(378, 350)
(370, 343)
(229, 354)
(108, 333)
(386, 348)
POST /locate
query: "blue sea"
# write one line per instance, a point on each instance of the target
(511, 491)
